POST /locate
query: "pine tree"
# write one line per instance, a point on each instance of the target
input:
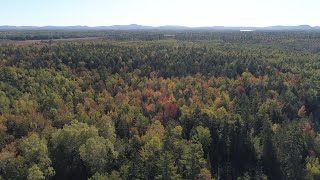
(167, 170)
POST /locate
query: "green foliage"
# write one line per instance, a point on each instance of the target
(113, 176)
(203, 136)
(34, 173)
(12, 167)
(72, 136)
(98, 176)
(98, 153)
(312, 168)
(289, 147)
(35, 152)
(65, 146)
(192, 160)
(4, 103)
(166, 167)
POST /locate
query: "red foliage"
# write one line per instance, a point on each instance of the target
(170, 110)
(163, 99)
(312, 153)
(240, 89)
(296, 78)
(150, 86)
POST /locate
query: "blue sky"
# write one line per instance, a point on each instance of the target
(160, 12)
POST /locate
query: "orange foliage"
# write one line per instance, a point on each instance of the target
(136, 101)
(149, 93)
(302, 111)
(12, 147)
(205, 85)
(150, 86)
(150, 107)
(158, 116)
(164, 99)
(3, 128)
(254, 80)
(307, 128)
(122, 98)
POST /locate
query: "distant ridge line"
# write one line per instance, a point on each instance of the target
(168, 27)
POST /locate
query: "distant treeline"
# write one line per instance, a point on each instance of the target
(161, 34)
(294, 40)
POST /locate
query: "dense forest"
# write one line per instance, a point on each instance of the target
(160, 105)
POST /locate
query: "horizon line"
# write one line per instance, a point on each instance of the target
(252, 26)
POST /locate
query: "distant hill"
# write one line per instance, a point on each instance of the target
(171, 27)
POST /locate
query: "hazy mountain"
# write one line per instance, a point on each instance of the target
(171, 27)
(124, 27)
